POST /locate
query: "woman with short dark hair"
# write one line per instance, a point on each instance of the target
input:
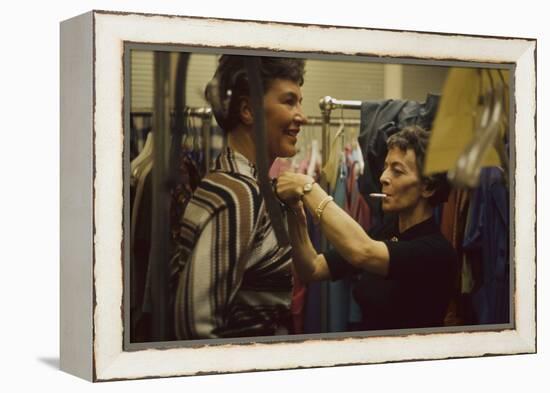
(405, 268)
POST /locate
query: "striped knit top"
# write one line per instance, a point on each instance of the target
(233, 280)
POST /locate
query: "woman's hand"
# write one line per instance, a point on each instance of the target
(290, 187)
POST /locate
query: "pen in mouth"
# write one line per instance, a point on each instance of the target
(378, 195)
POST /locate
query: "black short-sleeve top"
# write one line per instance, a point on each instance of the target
(419, 284)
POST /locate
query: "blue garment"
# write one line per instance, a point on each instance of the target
(339, 194)
(339, 292)
(486, 243)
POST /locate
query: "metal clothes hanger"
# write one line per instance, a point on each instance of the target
(489, 125)
(341, 134)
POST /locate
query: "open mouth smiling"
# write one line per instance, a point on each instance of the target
(293, 133)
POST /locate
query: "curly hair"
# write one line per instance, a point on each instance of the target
(233, 81)
(416, 138)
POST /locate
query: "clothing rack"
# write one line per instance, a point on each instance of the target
(160, 329)
(327, 104)
(319, 121)
(311, 129)
(200, 112)
(203, 113)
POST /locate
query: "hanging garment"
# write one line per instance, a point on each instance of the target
(303, 164)
(453, 222)
(137, 164)
(332, 166)
(339, 292)
(314, 290)
(314, 160)
(465, 304)
(454, 126)
(343, 310)
(279, 166)
(297, 304)
(380, 120)
(140, 127)
(453, 219)
(486, 244)
(356, 206)
(140, 239)
(312, 312)
(359, 210)
(188, 177)
(357, 156)
(140, 246)
(467, 276)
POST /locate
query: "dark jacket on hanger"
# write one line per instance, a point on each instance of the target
(380, 120)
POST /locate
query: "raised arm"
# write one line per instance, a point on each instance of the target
(341, 230)
(309, 265)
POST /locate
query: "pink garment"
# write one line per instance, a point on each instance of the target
(279, 166)
(297, 303)
(302, 167)
(299, 289)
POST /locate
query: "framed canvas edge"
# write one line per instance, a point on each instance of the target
(112, 363)
(76, 196)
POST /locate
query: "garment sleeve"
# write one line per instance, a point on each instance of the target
(423, 257)
(338, 266)
(211, 277)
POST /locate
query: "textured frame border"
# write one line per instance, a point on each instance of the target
(109, 361)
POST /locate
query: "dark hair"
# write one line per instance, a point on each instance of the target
(231, 82)
(416, 138)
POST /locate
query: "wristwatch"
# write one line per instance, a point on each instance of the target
(307, 188)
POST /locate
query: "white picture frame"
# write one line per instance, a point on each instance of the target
(92, 202)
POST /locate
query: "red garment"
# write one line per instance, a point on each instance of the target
(448, 215)
(356, 206)
(299, 290)
(297, 304)
(453, 222)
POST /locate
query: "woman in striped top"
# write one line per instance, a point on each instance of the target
(232, 278)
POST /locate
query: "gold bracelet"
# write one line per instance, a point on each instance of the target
(321, 207)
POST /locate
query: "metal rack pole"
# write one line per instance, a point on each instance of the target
(160, 232)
